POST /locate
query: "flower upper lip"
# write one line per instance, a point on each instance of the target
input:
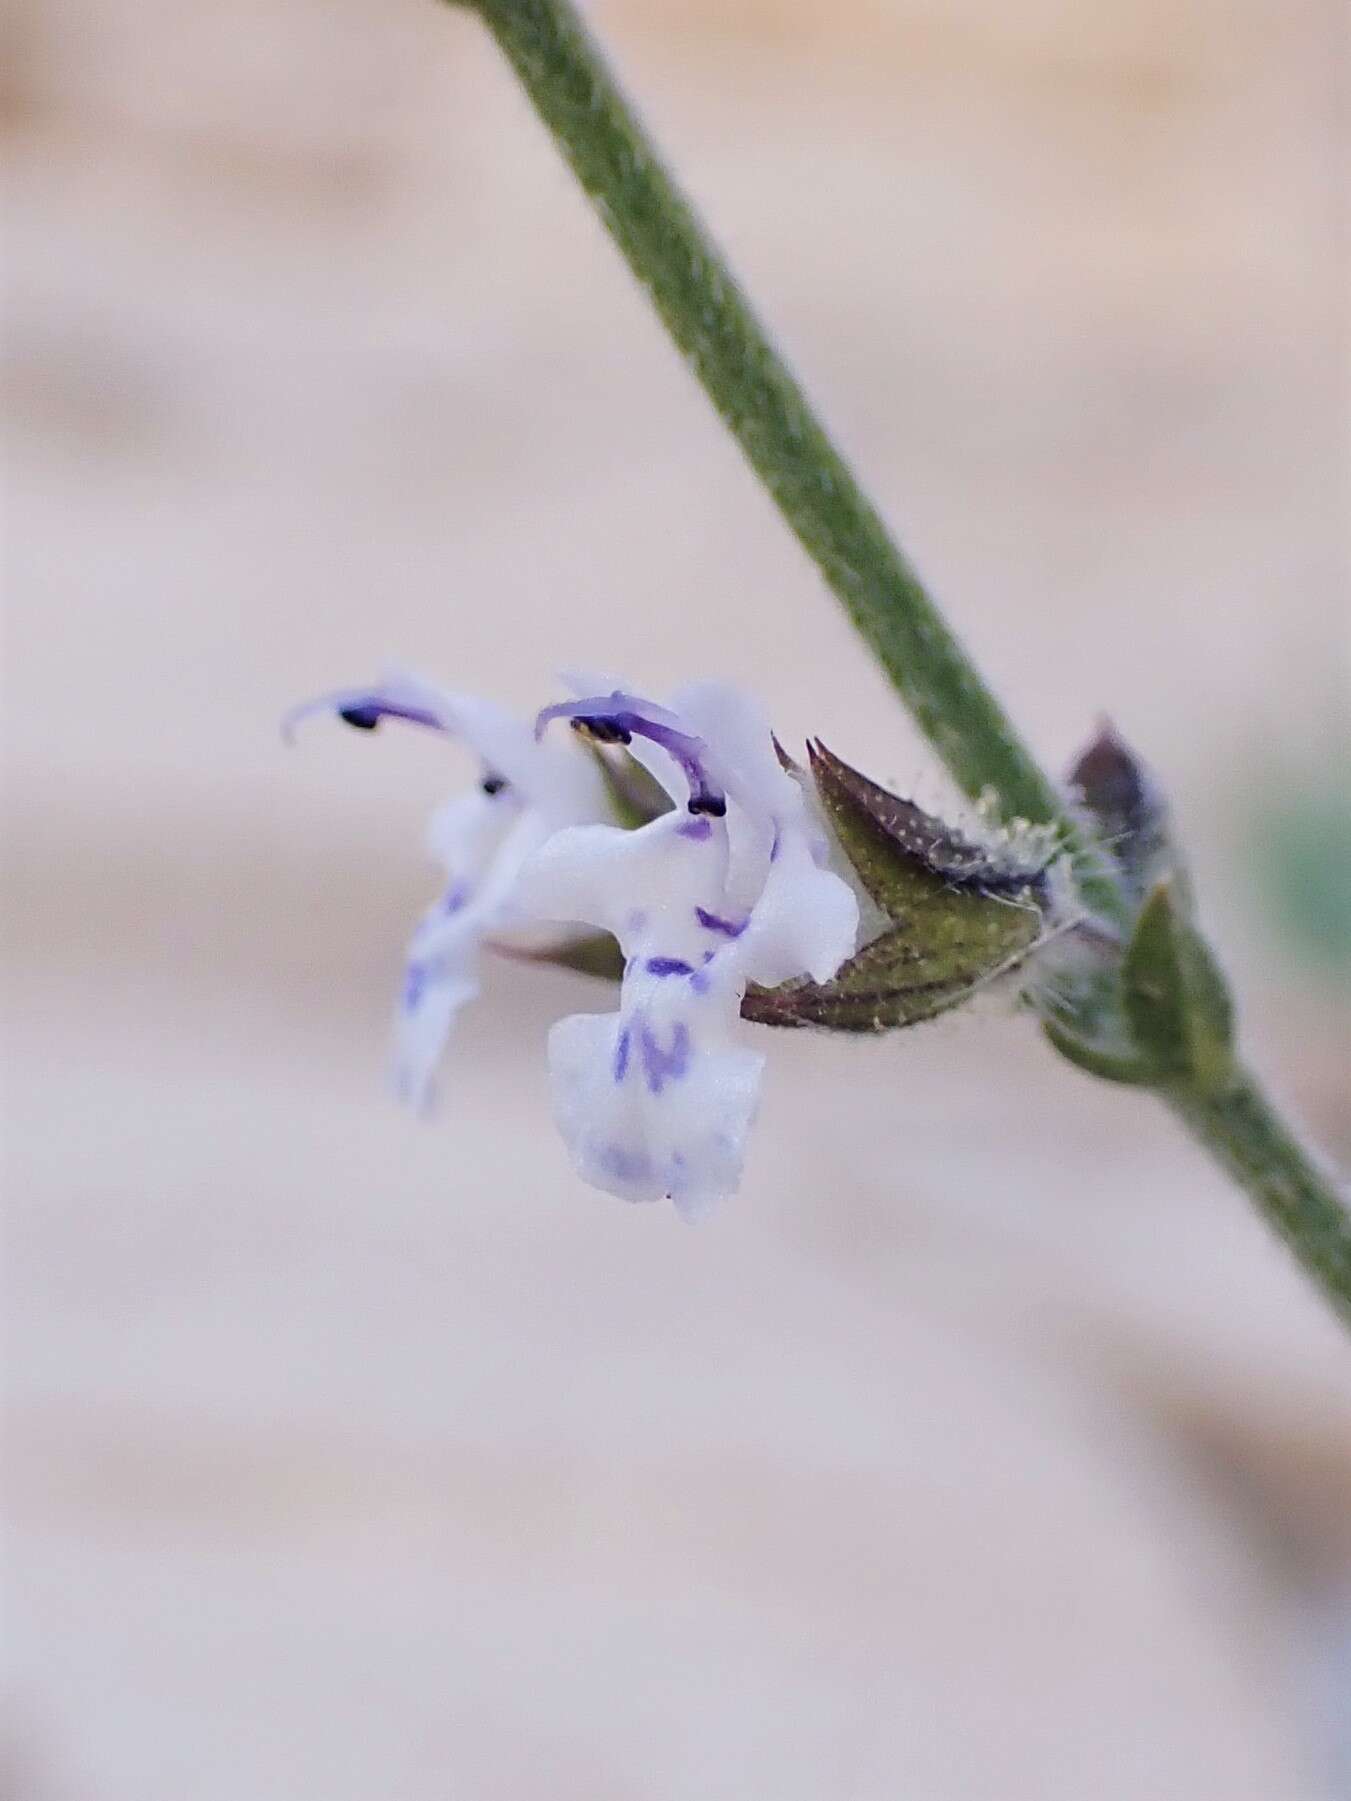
(363, 708)
(481, 839)
(618, 718)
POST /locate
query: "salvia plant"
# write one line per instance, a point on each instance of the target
(671, 847)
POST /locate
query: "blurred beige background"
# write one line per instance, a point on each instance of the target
(984, 1449)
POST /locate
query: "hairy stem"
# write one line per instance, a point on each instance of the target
(711, 322)
(1298, 1198)
(746, 378)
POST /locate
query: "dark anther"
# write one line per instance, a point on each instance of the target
(365, 719)
(604, 731)
(493, 783)
(708, 803)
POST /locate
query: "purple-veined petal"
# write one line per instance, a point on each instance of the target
(658, 1097)
(668, 1120)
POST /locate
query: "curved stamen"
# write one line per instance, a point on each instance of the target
(618, 717)
(363, 708)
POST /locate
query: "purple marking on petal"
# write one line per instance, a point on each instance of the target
(621, 1060)
(714, 922)
(669, 966)
(415, 980)
(455, 897)
(699, 980)
(697, 829)
(774, 847)
(662, 1064)
(624, 1165)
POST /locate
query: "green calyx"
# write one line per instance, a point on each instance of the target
(955, 914)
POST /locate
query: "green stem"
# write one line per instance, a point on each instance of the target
(1299, 1199)
(712, 323)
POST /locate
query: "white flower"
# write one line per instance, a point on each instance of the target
(481, 839)
(727, 888)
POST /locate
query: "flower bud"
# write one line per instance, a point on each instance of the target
(1148, 1007)
(1128, 809)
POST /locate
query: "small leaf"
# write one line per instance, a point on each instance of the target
(900, 853)
(1080, 1004)
(1091, 1055)
(1174, 998)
